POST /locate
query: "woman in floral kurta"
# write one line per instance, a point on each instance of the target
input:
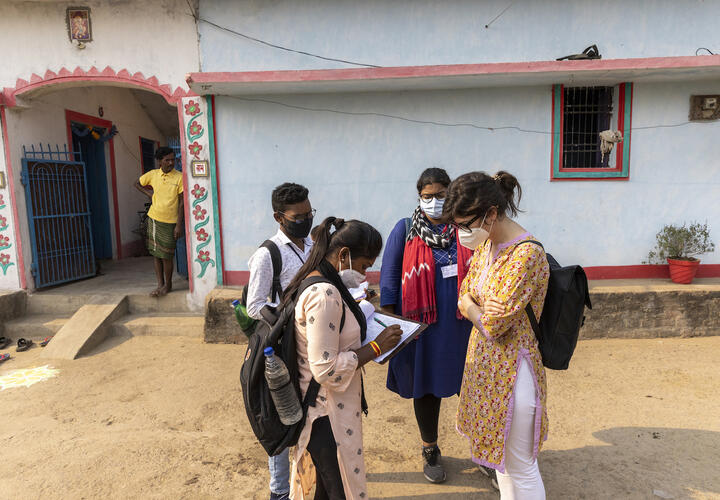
(502, 406)
(516, 275)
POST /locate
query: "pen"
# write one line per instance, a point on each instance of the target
(381, 323)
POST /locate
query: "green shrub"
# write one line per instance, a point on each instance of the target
(681, 243)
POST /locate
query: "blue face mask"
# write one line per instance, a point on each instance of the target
(432, 208)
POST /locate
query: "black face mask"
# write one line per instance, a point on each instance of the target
(297, 229)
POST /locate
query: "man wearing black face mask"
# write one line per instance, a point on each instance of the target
(294, 214)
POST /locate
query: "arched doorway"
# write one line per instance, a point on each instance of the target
(108, 120)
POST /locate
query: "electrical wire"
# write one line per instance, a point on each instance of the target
(128, 149)
(280, 47)
(704, 48)
(432, 122)
(498, 16)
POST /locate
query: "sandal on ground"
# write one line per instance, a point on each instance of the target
(4, 357)
(4, 342)
(45, 341)
(23, 345)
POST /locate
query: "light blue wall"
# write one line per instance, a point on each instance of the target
(366, 167)
(420, 32)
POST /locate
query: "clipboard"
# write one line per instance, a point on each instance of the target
(405, 340)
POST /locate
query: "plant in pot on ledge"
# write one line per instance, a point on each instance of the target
(678, 245)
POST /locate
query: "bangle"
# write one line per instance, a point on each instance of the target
(376, 348)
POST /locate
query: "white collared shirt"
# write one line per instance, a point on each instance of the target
(261, 271)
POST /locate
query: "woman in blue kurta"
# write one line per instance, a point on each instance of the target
(422, 268)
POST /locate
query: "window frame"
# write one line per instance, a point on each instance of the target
(621, 170)
(155, 145)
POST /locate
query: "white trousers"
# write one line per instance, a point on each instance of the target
(522, 480)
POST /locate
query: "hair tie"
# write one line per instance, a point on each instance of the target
(497, 177)
(338, 223)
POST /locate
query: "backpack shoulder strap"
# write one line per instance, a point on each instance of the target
(314, 386)
(528, 309)
(531, 241)
(276, 258)
(408, 225)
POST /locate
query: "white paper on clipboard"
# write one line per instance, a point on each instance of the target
(409, 328)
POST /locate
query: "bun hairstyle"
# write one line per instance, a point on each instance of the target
(476, 192)
(331, 235)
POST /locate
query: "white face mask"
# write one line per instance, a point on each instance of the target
(350, 277)
(476, 237)
(432, 208)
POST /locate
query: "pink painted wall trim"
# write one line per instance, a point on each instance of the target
(240, 278)
(122, 78)
(11, 188)
(455, 70)
(133, 249)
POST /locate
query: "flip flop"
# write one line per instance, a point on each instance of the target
(4, 357)
(45, 341)
(23, 345)
(4, 342)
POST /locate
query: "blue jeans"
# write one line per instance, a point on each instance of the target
(279, 467)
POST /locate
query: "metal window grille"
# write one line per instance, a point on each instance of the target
(586, 113)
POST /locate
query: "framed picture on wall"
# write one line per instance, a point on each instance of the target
(2, 180)
(200, 168)
(78, 24)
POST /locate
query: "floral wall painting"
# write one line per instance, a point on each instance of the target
(200, 168)
(78, 24)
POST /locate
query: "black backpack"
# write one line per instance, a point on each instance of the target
(276, 330)
(275, 291)
(563, 313)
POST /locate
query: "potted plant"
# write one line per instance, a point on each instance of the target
(678, 245)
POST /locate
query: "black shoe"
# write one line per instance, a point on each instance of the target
(492, 474)
(432, 469)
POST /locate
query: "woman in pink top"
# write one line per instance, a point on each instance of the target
(330, 329)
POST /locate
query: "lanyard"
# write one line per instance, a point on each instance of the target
(295, 252)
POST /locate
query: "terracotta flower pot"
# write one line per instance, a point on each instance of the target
(683, 271)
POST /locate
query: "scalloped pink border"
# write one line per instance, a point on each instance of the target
(8, 96)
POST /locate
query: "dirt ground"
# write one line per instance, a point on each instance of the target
(152, 417)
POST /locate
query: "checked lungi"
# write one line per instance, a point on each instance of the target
(160, 239)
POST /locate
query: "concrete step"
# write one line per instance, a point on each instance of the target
(161, 324)
(175, 302)
(35, 327)
(55, 303)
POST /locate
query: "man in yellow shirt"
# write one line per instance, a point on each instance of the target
(164, 186)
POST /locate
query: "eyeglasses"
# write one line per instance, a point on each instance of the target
(300, 218)
(465, 226)
(438, 196)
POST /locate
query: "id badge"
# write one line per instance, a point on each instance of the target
(449, 271)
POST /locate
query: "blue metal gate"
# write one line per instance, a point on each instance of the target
(58, 215)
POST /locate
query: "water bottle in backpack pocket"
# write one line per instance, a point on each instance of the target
(282, 391)
(247, 323)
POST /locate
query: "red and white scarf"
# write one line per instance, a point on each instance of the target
(418, 269)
